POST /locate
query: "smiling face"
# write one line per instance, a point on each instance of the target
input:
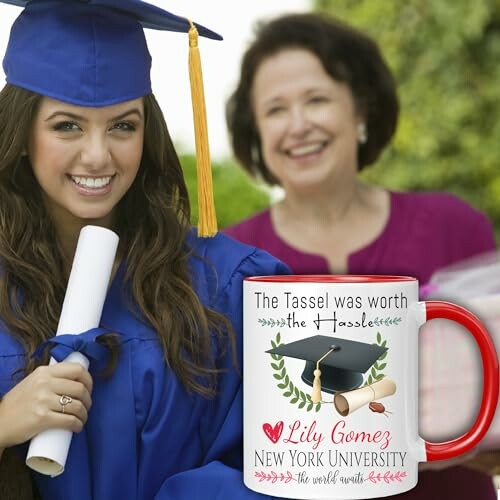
(307, 121)
(85, 159)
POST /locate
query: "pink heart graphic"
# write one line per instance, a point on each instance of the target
(273, 433)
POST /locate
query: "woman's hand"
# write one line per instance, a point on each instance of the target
(34, 404)
(486, 461)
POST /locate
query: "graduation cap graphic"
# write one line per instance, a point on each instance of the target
(332, 364)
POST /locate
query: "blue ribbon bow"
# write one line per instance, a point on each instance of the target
(86, 343)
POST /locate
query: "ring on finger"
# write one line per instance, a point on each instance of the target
(63, 401)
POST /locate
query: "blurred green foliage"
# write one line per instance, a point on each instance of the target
(236, 195)
(445, 56)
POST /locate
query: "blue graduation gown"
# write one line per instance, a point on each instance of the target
(146, 437)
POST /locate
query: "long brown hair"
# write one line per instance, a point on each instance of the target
(152, 222)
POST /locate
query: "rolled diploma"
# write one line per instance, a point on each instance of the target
(82, 308)
(347, 402)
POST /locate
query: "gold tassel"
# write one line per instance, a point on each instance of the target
(316, 392)
(207, 219)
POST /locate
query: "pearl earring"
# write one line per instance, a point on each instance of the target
(255, 155)
(362, 133)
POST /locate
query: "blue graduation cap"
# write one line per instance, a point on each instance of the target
(94, 53)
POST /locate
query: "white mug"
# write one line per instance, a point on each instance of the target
(331, 385)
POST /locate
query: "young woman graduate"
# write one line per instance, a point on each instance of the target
(83, 141)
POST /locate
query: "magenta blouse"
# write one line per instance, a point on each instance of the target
(425, 231)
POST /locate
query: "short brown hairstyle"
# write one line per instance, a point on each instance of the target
(347, 55)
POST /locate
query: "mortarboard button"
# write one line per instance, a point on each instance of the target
(341, 362)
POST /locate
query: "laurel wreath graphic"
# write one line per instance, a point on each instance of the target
(296, 396)
(376, 372)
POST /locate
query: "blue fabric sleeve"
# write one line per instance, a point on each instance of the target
(12, 362)
(218, 479)
(219, 421)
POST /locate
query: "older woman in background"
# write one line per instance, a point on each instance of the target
(315, 104)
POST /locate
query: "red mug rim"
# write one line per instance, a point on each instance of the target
(332, 278)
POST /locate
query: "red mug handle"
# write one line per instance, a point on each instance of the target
(449, 449)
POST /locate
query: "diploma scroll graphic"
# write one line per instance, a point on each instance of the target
(347, 402)
(82, 308)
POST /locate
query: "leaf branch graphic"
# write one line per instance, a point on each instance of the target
(274, 476)
(387, 321)
(296, 396)
(272, 322)
(376, 372)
